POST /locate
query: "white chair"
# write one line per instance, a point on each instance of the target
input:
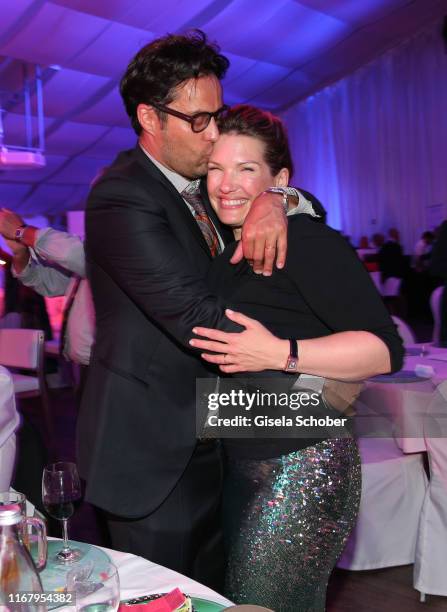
(404, 331)
(391, 287)
(11, 320)
(435, 304)
(431, 549)
(24, 349)
(9, 422)
(393, 489)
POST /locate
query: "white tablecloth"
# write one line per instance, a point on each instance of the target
(416, 413)
(399, 408)
(141, 577)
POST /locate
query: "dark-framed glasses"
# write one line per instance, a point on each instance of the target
(198, 121)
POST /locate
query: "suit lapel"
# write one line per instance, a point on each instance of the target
(177, 208)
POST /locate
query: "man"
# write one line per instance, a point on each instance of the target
(390, 256)
(438, 268)
(53, 264)
(150, 238)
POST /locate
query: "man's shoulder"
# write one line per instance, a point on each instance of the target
(131, 172)
(131, 164)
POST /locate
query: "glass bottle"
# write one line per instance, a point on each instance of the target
(18, 574)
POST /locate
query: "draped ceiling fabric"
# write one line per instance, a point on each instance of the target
(281, 51)
(372, 147)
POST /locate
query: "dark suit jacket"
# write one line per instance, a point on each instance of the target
(391, 260)
(147, 263)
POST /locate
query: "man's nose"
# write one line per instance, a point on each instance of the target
(212, 131)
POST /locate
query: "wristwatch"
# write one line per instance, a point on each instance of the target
(292, 359)
(18, 234)
(283, 192)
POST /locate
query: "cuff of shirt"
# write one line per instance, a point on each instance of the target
(304, 206)
(27, 271)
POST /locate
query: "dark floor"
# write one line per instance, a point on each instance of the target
(388, 590)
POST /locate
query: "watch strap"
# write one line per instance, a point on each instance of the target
(292, 359)
(282, 191)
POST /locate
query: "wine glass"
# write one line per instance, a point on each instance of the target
(96, 590)
(61, 488)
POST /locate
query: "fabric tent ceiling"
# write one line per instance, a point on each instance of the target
(281, 51)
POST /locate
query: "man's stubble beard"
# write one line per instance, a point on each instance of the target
(179, 163)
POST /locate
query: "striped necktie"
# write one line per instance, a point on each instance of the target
(191, 194)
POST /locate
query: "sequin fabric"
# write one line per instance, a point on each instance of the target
(286, 522)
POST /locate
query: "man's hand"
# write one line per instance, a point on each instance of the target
(9, 222)
(264, 234)
(20, 255)
(16, 247)
(252, 350)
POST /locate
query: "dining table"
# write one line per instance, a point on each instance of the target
(398, 405)
(139, 577)
(411, 407)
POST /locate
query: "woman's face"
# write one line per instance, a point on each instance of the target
(237, 173)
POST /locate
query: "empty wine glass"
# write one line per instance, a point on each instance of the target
(61, 488)
(95, 590)
(423, 351)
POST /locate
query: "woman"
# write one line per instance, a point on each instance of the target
(289, 504)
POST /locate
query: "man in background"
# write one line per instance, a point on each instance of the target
(53, 264)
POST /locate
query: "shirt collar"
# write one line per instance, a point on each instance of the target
(179, 182)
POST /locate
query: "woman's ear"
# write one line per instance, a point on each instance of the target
(148, 118)
(282, 178)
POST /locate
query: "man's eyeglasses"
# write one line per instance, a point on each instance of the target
(199, 121)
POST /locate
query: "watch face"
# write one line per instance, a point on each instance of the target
(19, 232)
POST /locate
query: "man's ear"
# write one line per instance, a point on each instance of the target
(282, 178)
(148, 118)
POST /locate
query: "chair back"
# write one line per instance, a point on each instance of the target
(22, 348)
(435, 304)
(9, 417)
(391, 287)
(11, 320)
(404, 331)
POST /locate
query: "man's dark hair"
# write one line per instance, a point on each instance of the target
(251, 121)
(161, 66)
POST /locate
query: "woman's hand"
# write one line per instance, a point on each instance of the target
(252, 350)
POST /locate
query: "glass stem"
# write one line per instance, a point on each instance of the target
(65, 534)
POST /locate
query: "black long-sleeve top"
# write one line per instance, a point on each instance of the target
(323, 289)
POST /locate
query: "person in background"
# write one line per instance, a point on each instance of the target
(364, 242)
(438, 268)
(53, 263)
(22, 306)
(390, 256)
(365, 251)
(422, 252)
(377, 240)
